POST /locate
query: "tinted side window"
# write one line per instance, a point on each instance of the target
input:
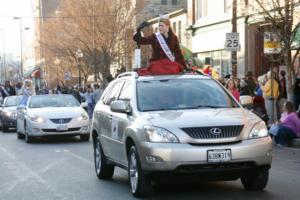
(114, 92)
(126, 93)
(106, 93)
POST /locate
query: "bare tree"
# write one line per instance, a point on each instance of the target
(99, 28)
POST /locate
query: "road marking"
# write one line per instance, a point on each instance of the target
(8, 187)
(79, 157)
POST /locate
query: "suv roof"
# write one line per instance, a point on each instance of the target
(134, 75)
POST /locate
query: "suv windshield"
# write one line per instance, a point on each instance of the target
(182, 94)
(53, 101)
(13, 101)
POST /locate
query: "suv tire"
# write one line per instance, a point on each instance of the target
(258, 182)
(103, 170)
(140, 183)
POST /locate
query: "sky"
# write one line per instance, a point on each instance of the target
(10, 28)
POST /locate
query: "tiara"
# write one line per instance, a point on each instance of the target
(161, 16)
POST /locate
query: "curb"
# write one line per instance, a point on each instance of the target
(295, 143)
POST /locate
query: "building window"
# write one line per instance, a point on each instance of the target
(174, 27)
(227, 6)
(220, 61)
(174, 2)
(163, 2)
(201, 9)
(179, 31)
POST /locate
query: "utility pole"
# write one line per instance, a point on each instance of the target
(234, 30)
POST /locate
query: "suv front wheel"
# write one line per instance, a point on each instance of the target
(139, 182)
(103, 170)
(257, 182)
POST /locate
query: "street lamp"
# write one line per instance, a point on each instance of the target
(57, 62)
(79, 55)
(21, 43)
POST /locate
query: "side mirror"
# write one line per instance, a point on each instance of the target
(120, 107)
(84, 104)
(246, 101)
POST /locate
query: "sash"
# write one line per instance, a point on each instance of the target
(164, 46)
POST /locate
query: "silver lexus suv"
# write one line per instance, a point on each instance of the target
(177, 126)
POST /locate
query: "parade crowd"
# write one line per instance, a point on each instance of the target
(89, 94)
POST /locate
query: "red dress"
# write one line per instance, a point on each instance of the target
(159, 58)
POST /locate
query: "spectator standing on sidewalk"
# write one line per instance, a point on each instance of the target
(19, 88)
(250, 80)
(283, 92)
(89, 100)
(7, 90)
(271, 92)
(230, 85)
(297, 92)
(97, 93)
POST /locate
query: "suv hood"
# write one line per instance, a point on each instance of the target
(200, 117)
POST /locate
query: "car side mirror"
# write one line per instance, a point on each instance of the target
(120, 107)
(246, 101)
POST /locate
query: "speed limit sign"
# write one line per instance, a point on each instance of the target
(232, 42)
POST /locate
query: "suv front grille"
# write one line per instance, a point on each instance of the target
(214, 132)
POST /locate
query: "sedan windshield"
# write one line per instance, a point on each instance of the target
(12, 101)
(182, 94)
(53, 101)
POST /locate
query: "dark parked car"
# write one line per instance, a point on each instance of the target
(8, 112)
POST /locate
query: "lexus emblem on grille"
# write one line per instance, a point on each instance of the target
(61, 121)
(215, 131)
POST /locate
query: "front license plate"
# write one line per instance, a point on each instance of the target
(218, 155)
(62, 128)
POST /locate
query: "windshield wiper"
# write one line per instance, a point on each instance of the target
(206, 106)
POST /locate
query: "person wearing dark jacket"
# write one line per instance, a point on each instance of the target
(170, 39)
(7, 90)
(297, 92)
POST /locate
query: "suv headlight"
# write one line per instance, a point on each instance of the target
(36, 118)
(83, 116)
(259, 130)
(156, 134)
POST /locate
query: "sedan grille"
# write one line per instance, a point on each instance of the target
(214, 132)
(54, 130)
(61, 121)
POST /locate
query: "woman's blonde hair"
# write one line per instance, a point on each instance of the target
(165, 21)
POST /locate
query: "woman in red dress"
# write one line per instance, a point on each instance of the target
(160, 56)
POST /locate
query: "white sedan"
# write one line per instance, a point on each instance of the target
(46, 115)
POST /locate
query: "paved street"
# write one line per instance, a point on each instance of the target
(63, 169)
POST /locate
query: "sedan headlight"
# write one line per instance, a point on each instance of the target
(258, 131)
(35, 118)
(83, 117)
(156, 134)
(7, 113)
